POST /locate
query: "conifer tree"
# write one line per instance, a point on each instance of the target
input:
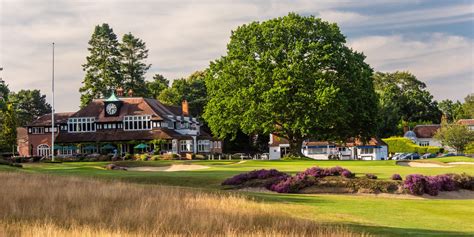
(103, 65)
(133, 53)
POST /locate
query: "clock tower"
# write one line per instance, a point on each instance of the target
(112, 106)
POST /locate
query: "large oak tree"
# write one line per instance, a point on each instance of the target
(292, 76)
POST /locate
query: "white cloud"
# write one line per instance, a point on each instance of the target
(444, 62)
(182, 36)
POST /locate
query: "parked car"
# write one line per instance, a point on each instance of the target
(396, 156)
(265, 156)
(428, 155)
(447, 155)
(410, 156)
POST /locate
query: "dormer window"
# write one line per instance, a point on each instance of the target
(81, 124)
(137, 122)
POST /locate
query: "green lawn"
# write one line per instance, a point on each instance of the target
(377, 215)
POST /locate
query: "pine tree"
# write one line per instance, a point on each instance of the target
(133, 52)
(103, 65)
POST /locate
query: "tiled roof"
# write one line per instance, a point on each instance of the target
(118, 135)
(468, 122)
(426, 131)
(130, 106)
(45, 120)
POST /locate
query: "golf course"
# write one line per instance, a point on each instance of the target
(370, 214)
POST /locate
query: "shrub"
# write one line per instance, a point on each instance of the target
(463, 181)
(143, 157)
(199, 157)
(371, 176)
(292, 184)
(415, 184)
(156, 157)
(396, 177)
(256, 174)
(127, 156)
(403, 144)
(347, 174)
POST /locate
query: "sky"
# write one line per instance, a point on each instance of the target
(432, 39)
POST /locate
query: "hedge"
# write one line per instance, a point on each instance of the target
(405, 145)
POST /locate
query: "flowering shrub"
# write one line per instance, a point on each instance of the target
(256, 174)
(371, 176)
(293, 184)
(418, 184)
(415, 184)
(396, 177)
(347, 174)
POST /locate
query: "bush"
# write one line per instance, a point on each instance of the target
(415, 184)
(143, 157)
(405, 145)
(371, 176)
(256, 174)
(170, 156)
(418, 184)
(307, 178)
(127, 156)
(396, 177)
(463, 181)
(347, 174)
(199, 157)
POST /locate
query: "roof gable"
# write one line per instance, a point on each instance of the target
(426, 131)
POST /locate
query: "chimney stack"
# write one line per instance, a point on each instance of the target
(185, 108)
(120, 91)
(130, 93)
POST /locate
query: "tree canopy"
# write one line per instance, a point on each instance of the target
(29, 105)
(157, 85)
(455, 135)
(292, 76)
(103, 65)
(132, 54)
(402, 97)
(192, 89)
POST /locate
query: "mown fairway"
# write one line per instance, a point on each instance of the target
(376, 215)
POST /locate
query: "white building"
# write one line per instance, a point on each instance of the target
(423, 135)
(375, 149)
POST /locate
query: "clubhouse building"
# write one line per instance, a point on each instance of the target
(119, 125)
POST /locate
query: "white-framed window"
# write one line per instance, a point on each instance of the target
(43, 150)
(367, 150)
(204, 145)
(317, 150)
(424, 143)
(186, 145)
(86, 124)
(137, 122)
(37, 130)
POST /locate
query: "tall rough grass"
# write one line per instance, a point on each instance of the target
(39, 205)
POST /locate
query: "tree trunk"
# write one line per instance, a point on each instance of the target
(296, 144)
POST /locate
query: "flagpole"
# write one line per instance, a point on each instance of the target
(52, 111)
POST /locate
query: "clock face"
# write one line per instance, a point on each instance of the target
(111, 109)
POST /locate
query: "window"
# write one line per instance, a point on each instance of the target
(204, 146)
(367, 150)
(43, 150)
(317, 150)
(37, 130)
(186, 145)
(424, 143)
(137, 122)
(81, 125)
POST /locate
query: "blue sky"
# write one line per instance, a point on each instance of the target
(432, 39)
